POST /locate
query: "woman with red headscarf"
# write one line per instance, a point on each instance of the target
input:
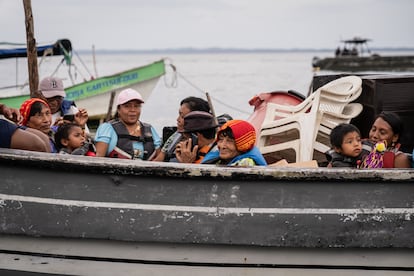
(14, 137)
(37, 115)
(236, 146)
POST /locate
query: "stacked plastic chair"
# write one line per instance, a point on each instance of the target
(306, 127)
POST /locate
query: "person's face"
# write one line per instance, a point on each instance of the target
(129, 112)
(227, 147)
(351, 144)
(54, 103)
(182, 111)
(76, 138)
(381, 131)
(41, 120)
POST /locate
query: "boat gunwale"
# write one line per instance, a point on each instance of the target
(63, 162)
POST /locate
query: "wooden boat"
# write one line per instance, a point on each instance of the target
(355, 56)
(94, 94)
(78, 215)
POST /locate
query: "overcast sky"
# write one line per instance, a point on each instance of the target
(160, 24)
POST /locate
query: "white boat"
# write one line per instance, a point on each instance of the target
(94, 94)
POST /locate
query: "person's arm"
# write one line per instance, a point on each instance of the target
(160, 157)
(12, 114)
(30, 139)
(101, 149)
(401, 160)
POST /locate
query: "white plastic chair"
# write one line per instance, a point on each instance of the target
(336, 94)
(329, 120)
(281, 120)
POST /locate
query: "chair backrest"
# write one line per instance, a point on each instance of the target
(336, 94)
(329, 120)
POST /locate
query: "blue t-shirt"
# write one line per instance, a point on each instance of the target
(106, 134)
(7, 130)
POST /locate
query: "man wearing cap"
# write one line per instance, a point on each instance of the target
(126, 136)
(54, 93)
(204, 126)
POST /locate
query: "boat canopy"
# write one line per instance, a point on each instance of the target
(356, 40)
(60, 47)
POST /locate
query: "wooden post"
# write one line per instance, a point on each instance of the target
(31, 50)
(210, 103)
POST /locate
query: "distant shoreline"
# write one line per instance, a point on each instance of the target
(226, 51)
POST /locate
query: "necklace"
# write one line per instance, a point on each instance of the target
(136, 131)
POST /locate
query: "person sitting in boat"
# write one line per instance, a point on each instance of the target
(14, 137)
(70, 138)
(347, 147)
(126, 136)
(37, 115)
(387, 128)
(236, 146)
(52, 90)
(187, 105)
(200, 127)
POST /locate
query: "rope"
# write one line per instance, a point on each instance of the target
(215, 99)
(174, 84)
(84, 65)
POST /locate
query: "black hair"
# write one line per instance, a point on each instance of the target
(63, 133)
(393, 120)
(196, 104)
(338, 133)
(227, 132)
(35, 109)
(209, 133)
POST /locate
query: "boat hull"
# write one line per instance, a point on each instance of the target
(58, 256)
(202, 211)
(359, 64)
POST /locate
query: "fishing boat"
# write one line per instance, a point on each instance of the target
(79, 215)
(355, 56)
(95, 93)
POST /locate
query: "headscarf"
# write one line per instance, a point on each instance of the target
(243, 132)
(26, 107)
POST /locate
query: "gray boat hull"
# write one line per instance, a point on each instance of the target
(56, 201)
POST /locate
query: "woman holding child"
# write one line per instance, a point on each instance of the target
(380, 150)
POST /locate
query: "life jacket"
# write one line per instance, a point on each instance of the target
(339, 160)
(203, 152)
(125, 140)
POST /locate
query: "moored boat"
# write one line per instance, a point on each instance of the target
(94, 94)
(76, 215)
(355, 56)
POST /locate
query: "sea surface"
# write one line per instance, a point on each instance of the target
(231, 79)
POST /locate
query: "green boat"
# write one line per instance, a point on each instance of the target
(95, 95)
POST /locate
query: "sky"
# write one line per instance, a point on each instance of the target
(245, 24)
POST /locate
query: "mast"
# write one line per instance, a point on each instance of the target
(31, 50)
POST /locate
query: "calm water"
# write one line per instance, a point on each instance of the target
(230, 79)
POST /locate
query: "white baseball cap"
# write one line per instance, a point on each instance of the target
(127, 95)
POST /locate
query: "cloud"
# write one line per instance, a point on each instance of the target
(159, 24)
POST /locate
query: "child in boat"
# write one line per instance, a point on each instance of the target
(70, 139)
(236, 146)
(347, 147)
